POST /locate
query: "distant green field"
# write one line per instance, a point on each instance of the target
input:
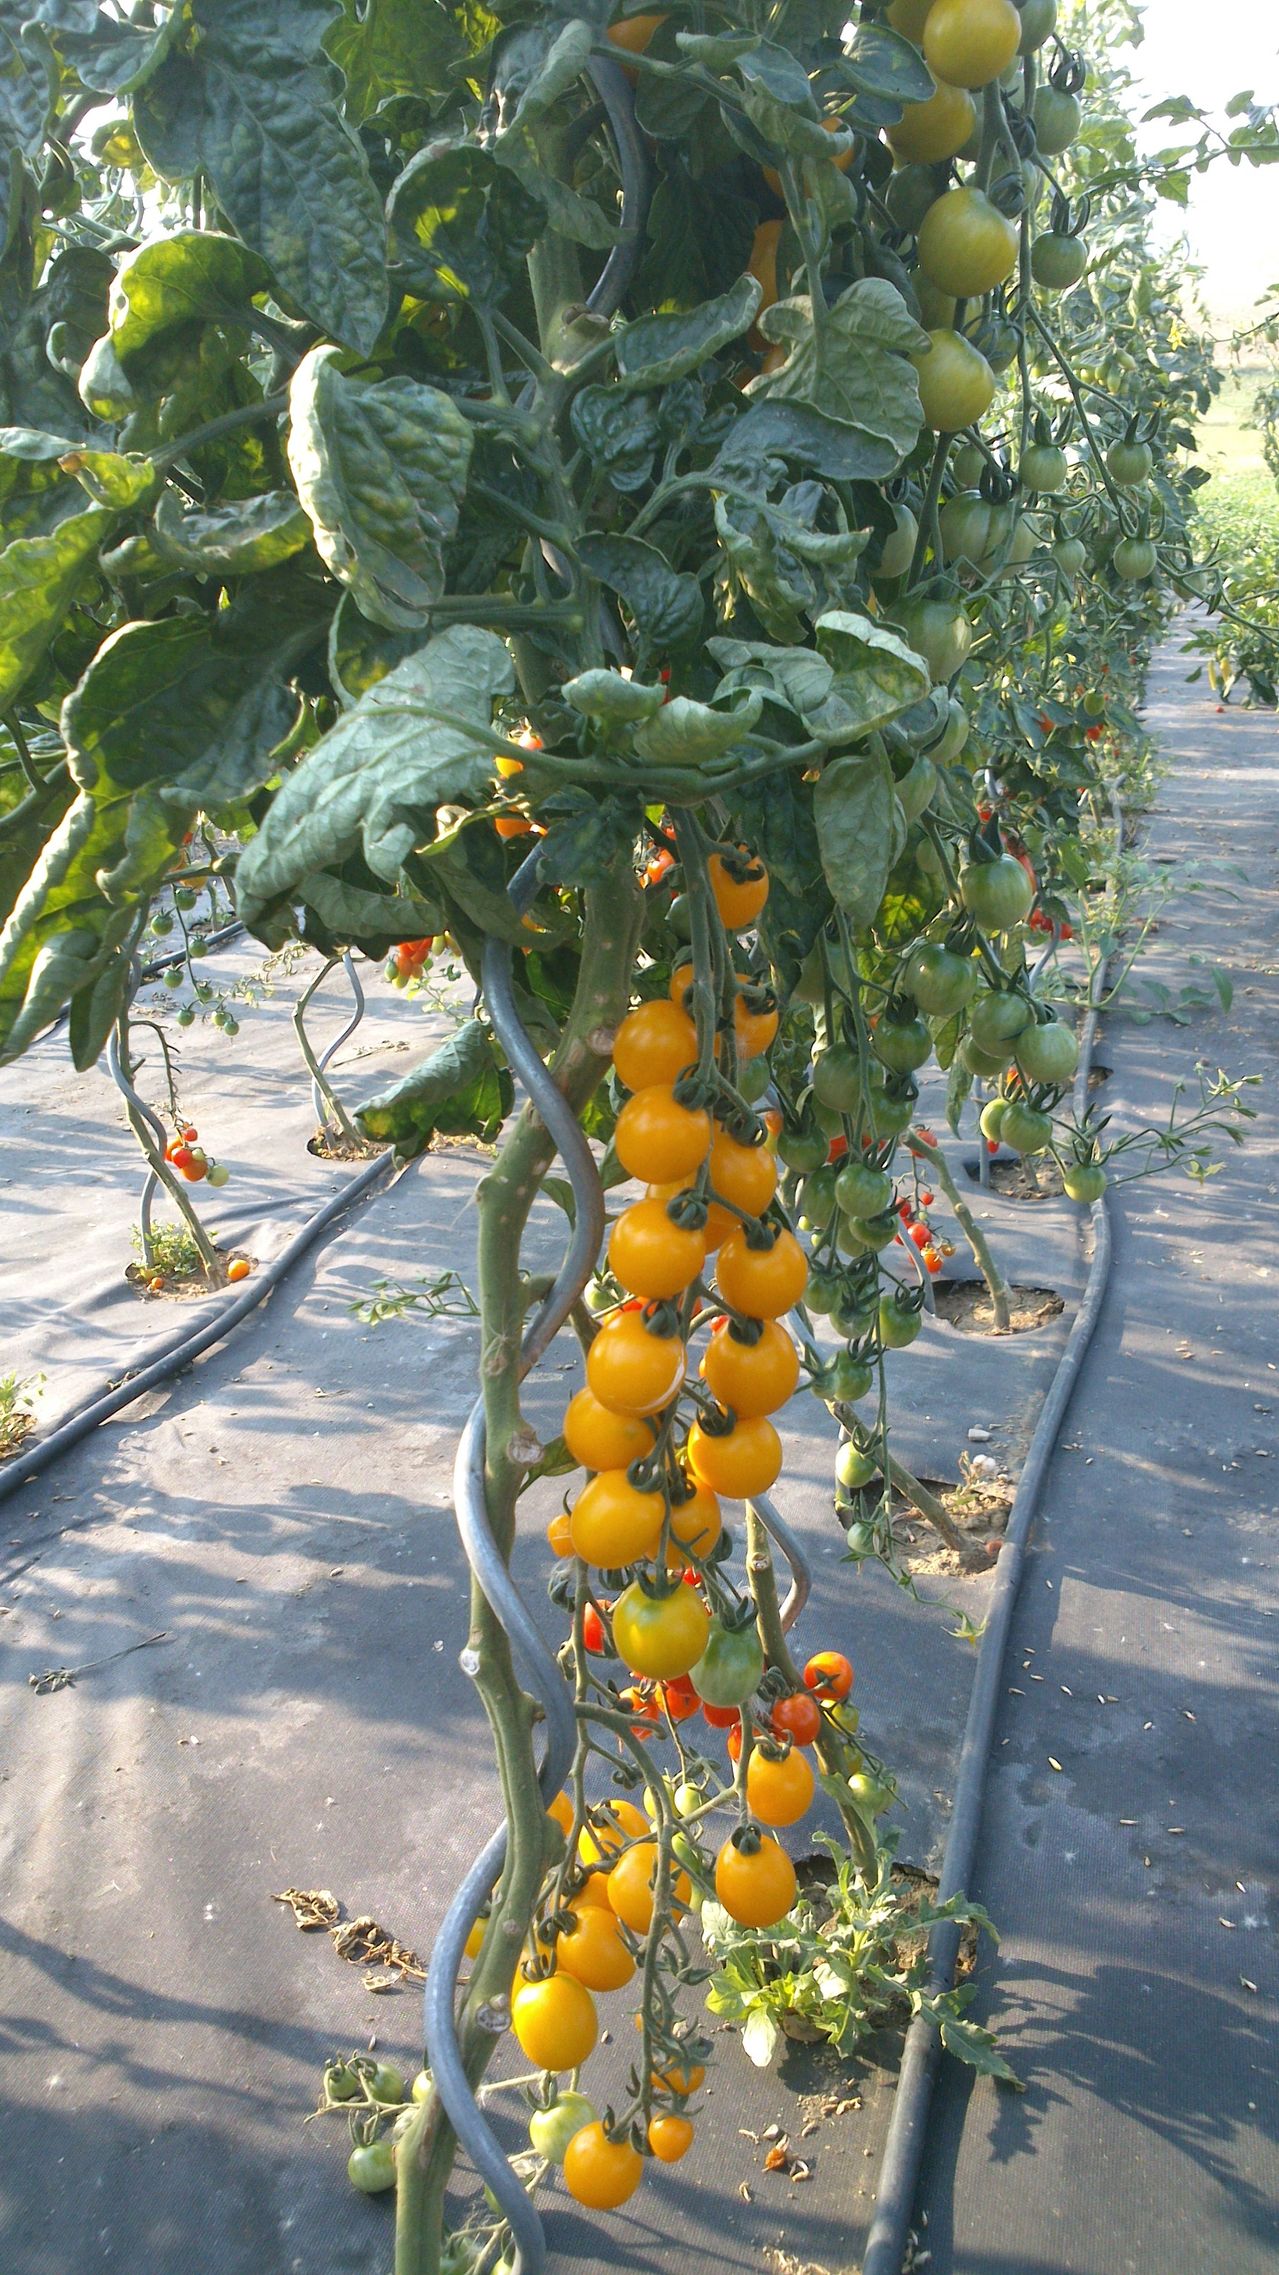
(1228, 441)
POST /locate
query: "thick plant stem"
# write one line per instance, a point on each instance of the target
(337, 1111)
(925, 1503)
(425, 2154)
(762, 1579)
(968, 1225)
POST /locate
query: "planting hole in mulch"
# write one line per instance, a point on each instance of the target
(1018, 1177)
(180, 1286)
(330, 1145)
(966, 1304)
(978, 1506)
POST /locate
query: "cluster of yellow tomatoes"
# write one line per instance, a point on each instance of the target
(701, 1249)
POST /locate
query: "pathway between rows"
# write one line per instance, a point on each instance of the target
(1131, 1835)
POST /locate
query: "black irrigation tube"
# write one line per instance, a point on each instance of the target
(907, 2132)
(178, 1353)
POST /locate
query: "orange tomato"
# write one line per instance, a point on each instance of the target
(655, 1043)
(632, 1371)
(762, 1282)
(599, 1439)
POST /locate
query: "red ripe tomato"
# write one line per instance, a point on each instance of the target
(797, 1717)
(829, 1675)
(722, 1717)
(181, 1156)
(920, 1234)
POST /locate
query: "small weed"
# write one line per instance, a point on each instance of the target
(174, 1255)
(17, 1416)
(445, 1297)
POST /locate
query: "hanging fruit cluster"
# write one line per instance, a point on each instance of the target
(185, 1154)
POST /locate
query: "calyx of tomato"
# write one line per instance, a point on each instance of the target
(689, 1211)
(1008, 195)
(1069, 72)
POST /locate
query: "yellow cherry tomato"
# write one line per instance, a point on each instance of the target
(755, 1880)
(738, 897)
(741, 1462)
(970, 42)
(657, 1138)
(650, 1255)
(593, 1951)
(762, 1282)
(696, 1525)
(614, 1523)
(670, 2137)
(630, 1886)
(751, 1378)
(632, 1371)
(555, 2022)
(599, 1439)
(600, 2172)
(779, 1790)
(655, 1043)
(927, 132)
(604, 1839)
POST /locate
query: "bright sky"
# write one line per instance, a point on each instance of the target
(1211, 53)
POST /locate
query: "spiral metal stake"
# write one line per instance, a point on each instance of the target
(318, 1100)
(443, 2052)
(151, 1183)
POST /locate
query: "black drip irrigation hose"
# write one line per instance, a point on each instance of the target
(188, 1344)
(907, 2132)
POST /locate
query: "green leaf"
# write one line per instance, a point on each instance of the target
(234, 539)
(253, 104)
(28, 88)
(190, 708)
(396, 47)
(538, 66)
(39, 579)
(462, 224)
(458, 1089)
(192, 277)
(971, 2044)
(958, 1084)
(352, 915)
(361, 653)
(116, 58)
(876, 674)
(619, 433)
(381, 468)
(684, 733)
(666, 605)
(880, 64)
(606, 696)
(853, 367)
(859, 832)
(656, 349)
(418, 738)
(778, 435)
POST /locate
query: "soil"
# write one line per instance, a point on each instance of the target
(180, 1287)
(330, 1145)
(979, 1508)
(966, 1304)
(1017, 1178)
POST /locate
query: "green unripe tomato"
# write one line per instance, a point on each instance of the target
(853, 1468)
(990, 1121)
(1057, 117)
(687, 1798)
(1037, 20)
(997, 893)
(1085, 1181)
(731, 1667)
(1134, 559)
(679, 916)
(915, 788)
(422, 2086)
(185, 898)
(954, 735)
(1129, 464)
(899, 1323)
(341, 2082)
(968, 465)
(890, 1117)
(371, 2167)
(551, 2130)
(219, 1174)
(1058, 260)
(387, 2083)
(902, 1044)
(871, 1797)
(837, 1079)
(1025, 1130)
(912, 190)
(845, 1380)
(819, 1196)
(1043, 469)
(862, 1191)
(186, 1016)
(996, 1016)
(860, 1539)
(967, 528)
(859, 1236)
(941, 982)
(824, 1289)
(986, 1064)
(802, 1149)
(162, 922)
(230, 1026)
(1048, 1053)
(898, 549)
(827, 1118)
(753, 1079)
(939, 632)
(197, 945)
(173, 978)
(1070, 554)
